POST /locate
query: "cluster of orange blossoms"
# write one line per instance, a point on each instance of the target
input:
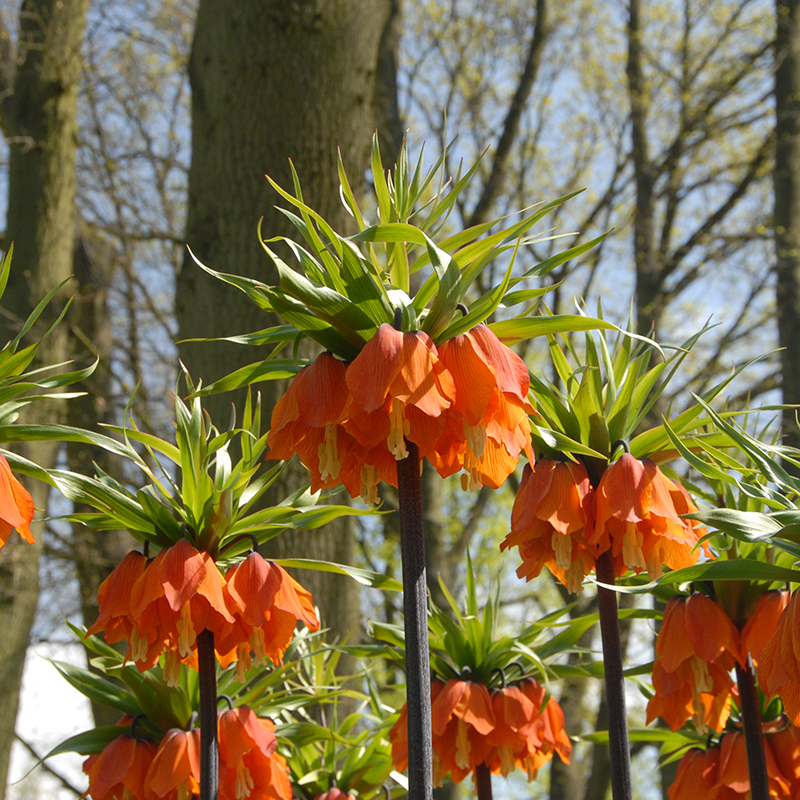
(720, 772)
(161, 605)
(16, 505)
(504, 729)
(560, 522)
(464, 405)
(136, 769)
(697, 648)
(779, 668)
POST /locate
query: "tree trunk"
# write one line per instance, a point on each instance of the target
(95, 554)
(272, 81)
(787, 205)
(649, 301)
(38, 118)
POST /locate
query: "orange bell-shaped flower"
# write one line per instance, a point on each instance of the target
(638, 514)
(174, 773)
(120, 770)
(696, 775)
(489, 414)
(114, 599)
(16, 505)
(268, 603)
(763, 621)
(525, 734)
(733, 777)
(785, 746)
(249, 766)
(779, 666)
(551, 520)
(306, 421)
(696, 648)
(399, 389)
(461, 715)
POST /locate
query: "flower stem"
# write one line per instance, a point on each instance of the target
(751, 716)
(618, 742)
(483, 782)
(415, 609)
(209, 753)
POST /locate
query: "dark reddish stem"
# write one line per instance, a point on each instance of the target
(754, 739)
(618, 741)
(209, 753)
(483, 782)
(415, 609)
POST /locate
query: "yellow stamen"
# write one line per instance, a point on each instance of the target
(259, 645)
(329, 464)
(243, 660)
(186, 634)
(654, 570)
(471, 467)
(702, 679)
(574, 576)
(438, 770)
(562, 547)
(139, 646)
(462, 745)
(172, 668)
(476, 438)
(506, 759)
(244, 781)
(699, 715)
(182, 791)
(399, 428)
(369, 484)
(632, 541)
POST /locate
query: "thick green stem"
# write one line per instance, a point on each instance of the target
(415, 608)
(209, 752)
(618, 742)
(751, 716)
(483, 782)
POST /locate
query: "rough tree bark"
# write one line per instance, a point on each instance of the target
(787, 205)
(38, 117)
(95, 554)
(272, 81)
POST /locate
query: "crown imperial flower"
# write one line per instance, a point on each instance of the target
(16, 505)
(697, 647)
(249, 765)
(119, 771)
(267, 604)
(550, 521)
(174, 773)
(779, 665)
(638, 514)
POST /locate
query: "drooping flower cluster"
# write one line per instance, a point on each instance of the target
(720, 772)
(507, 728)
(464, 405)
(560, 522)
(696, 649)
(161, 606)
(16, 505)
(137, 769)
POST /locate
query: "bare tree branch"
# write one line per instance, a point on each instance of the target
(513, 116)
